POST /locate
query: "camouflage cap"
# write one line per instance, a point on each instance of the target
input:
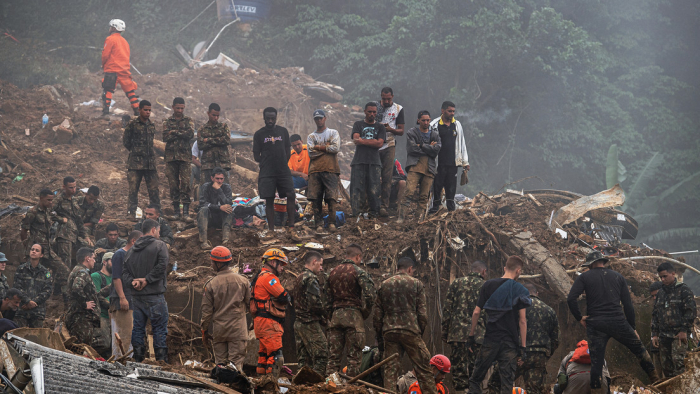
(593, 257)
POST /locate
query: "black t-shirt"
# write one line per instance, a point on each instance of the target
(271, 148)
(504, 329)
(448, 138)
(365, 154)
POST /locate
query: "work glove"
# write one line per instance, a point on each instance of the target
(471, 344)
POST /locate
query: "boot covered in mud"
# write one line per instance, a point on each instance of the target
(176, 211)
(203, 242)
(225, 234)
(139, 353)
(186, 213)
(105, 110)
(654, 376)
(277, 366)
(161, 354)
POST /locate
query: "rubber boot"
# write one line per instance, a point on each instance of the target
(105, 110)
(139, 353)
(176, 211)
(225, 235)
(161, 354)
(186, 213)
(204, 243)
(277, 366)
(654, 376)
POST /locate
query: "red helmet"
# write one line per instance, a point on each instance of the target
(441, 362)
(221, 254)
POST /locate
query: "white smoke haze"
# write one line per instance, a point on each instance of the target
(486, 117)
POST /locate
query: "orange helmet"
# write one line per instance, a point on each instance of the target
(518, 390)
(221, 254)
(275, 254)
(441, 362)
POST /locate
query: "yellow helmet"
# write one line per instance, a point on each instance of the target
(275, 254)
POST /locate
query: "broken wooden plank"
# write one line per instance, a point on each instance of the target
(151, 351)
(27, 200)
(539, 204)
(120, 344)
(613, 197)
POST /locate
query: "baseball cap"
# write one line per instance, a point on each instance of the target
(107, 256)
(319, 114)
(3, 259)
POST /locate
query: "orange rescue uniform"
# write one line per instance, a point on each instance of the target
(115, 60)
(268, 319)
(299, 161)
(415, 388)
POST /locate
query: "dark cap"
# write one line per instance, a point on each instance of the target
(593, 257)
(319, 114)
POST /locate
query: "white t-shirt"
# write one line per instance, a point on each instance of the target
(195, 150)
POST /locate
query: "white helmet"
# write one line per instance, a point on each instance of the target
(117, 24)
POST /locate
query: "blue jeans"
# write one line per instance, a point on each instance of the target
(155, 309)
(299, 182)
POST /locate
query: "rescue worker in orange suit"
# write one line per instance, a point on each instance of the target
(268, 307)
(116, 66)
(440, 366)
(224, 301)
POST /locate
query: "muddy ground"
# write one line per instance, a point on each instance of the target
(92, 152)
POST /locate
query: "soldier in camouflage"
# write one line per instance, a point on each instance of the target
(36, 229)
(310, 308)
(36, 283)
(350, 294)
(91, 209)
(83, 315)
(4, 286)
(400, 318)
(213, 140)
(672, 320)
(153, 212)
(111, 243)
(178, 130)
(542, 340)
(456, 321)
(138, 140)
(71, 232)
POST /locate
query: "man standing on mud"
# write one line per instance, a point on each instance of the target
(138, 140)
(351, 293)
(213, 141)
(324, 171)
(272, 149)
(368, 135)
(71, 232)
(144, 273)
(117, 67)
(36, 229)
(120, 309)
(453, 155)
(605, 291)
(400, 318)
(178, 130)
(83, 314)
(456, 321)
(391, 116)
(310, 309)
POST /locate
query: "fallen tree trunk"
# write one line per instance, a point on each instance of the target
(553, 272)
(244, 172)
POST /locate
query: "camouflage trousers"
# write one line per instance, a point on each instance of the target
(33, 318)
(134, 178)
(462, 364)
(672, 352)
(81, 326)
(312, 347)
(413, 346)
(179, 175)
(58, 264)
(345, 331)
(534, 372)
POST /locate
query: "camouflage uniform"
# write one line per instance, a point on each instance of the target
(138, 140)
(674, 312)
(38, 223)
(80, 321)
(456, 324)
(310, 309)
(177, 134)
(4, 286)
(400, 318)
(103, 243)
(214, 142)
(91, 213)
(70, 235)
(37, 285)
(166, 233)
(542, 340)
(350, 293)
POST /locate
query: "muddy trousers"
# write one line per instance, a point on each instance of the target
(365, 184)
(233, 351)
(387, 157)
(672, 353)
(122, 323)
(345, 331)
(412, 345)
(323, 186)
(134, 178)
(462, 364)
(109, 85)
(179, 173)
(421, 184)
(269, 333)
(599, 332)
(312, 347)
(506, 355)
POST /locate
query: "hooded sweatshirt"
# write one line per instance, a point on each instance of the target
(148, 258)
